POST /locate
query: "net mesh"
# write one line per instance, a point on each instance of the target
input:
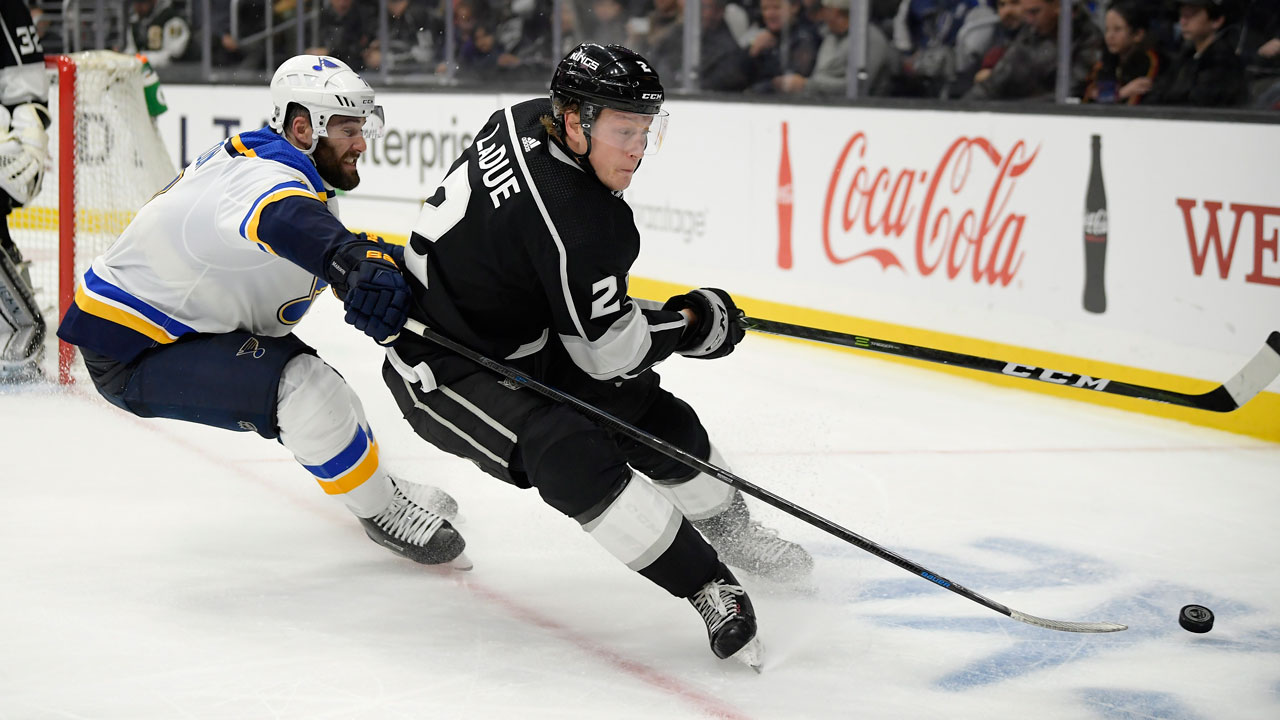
(118, 163)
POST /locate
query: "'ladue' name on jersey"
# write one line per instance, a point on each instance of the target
(495, 166)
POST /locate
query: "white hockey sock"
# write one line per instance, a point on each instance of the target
(702, 496)
(322, 423)
(637, 527)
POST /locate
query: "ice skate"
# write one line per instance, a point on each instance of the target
(432, 498)
(416, 532)
(746, 544)
(730, 619)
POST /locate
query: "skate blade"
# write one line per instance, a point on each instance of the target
(752, 655)
(462, 562)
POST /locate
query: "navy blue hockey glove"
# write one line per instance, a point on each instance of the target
(374, 293)
(717, 330)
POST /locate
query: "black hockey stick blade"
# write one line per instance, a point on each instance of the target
(609, 421)
(1256, 375)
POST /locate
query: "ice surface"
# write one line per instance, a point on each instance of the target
(157, 569)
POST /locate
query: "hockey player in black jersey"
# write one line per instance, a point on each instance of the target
(24, 149)
(523, 254)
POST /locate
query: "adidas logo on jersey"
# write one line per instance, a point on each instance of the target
(529, 143)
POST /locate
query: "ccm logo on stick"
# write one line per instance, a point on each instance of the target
(1054, 376)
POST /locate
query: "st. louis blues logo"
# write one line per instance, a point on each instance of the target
(250, 347)
(323, 63)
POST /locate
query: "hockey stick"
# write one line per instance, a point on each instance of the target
(1256, 374)
(675, 453)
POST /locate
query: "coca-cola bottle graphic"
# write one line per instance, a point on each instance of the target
(785, 202)
(1095, 235)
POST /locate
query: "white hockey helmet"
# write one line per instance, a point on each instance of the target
(325, 86)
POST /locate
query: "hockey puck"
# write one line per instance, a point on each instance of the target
(1196, 619)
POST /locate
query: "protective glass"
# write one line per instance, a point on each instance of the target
(630, 132)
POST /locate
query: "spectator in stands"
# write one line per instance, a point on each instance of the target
(1260, 51)
(982, 41)
(1127, 59)
(1010, 13)
(788, 44)
(158, 30)
(1207, 73)
(524, 37)
(830, 70)
(410, 40)
(228, 49)
(604, 23)
(345, 31)
(662, 41)
(1028, 69)
(724, 64)
(478, 56)
(924, 31)
(51, 43)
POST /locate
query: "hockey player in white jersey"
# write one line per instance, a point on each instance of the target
(189, 315)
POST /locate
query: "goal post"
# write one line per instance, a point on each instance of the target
(106, 159)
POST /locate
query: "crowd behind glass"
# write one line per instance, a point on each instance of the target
(1195, 53)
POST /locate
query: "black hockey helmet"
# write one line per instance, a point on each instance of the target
(597, 77)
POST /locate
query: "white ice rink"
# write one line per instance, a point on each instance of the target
(157, 569)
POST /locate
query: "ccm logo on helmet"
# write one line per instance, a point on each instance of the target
(650, 96)
(582, 58)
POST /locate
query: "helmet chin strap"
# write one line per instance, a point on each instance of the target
(582, 159)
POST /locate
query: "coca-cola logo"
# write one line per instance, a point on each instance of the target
(958, 217)
(1095, 223)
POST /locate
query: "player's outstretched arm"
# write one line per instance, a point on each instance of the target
(714, 329)
(374, 293)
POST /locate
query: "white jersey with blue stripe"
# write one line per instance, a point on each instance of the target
(201, 256)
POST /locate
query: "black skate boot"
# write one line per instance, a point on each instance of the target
(411, 530)
(730, 619)
(746, 544)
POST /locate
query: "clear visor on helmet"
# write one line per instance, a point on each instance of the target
(631, 132)
(340, 126)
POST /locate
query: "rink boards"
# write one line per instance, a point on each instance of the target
(959, 230)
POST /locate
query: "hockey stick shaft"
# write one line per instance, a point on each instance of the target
(617, 425)
(1251, 380)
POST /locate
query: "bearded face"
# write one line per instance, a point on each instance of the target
(336, 155)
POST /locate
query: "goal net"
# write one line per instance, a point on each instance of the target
(106, 161)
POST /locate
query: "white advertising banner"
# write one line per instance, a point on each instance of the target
(1147, 243)
(1157, 251)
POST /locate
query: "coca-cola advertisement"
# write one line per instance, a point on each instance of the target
(958, 219)
(1095, 234)
(991, 226)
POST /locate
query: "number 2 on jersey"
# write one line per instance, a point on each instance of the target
(447, 207)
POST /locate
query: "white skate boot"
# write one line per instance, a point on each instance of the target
(746, 544)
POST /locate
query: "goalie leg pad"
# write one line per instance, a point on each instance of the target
(22, 327)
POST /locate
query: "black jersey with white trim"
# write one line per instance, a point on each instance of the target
(22, 78)
(519, 247)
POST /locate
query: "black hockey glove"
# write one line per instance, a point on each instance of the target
(717, 330)
(374, 293)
